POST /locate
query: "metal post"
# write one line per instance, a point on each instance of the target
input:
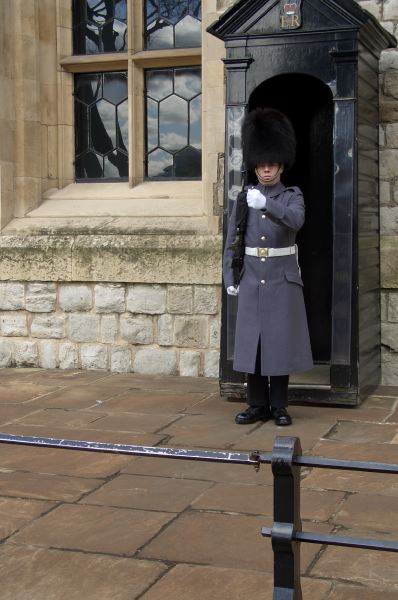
(286, 519)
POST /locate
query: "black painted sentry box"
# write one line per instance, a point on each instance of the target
(317, 61)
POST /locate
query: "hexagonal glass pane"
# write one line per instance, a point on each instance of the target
(81, 131)
(99, 11)
(121, 9)
(89, 166)
(88, 87)
(152, 124)
(172, 10)
(159, 34)
(99, 26)
(122, 125)
(114, 36)
(173, 123)
(87, 39)
(103, 127)
(188, 82)
(159, 84)
(160, 164)
(115, 87)
(195, 8)
(188, 163)
(188, 33)
(116, 165)
(151, 10)
(195, 122)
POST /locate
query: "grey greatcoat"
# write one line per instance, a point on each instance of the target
(270, 302)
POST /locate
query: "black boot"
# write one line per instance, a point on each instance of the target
(252, 414)
(281, 417)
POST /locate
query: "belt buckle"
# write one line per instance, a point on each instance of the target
(263, 252)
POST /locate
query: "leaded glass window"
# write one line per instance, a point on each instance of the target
(172, 24)
(101, 132)
(173, 115)
(99, 26)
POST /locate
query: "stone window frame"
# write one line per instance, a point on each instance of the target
(134, 61)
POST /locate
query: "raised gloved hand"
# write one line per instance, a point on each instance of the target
(232, 290)
(255, 199)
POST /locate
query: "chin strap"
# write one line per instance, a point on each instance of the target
(269, 181)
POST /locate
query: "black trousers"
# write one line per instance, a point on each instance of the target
(266, 391)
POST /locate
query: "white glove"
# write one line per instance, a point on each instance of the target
(232, 290)
(255, 199)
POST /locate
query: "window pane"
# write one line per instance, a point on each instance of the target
(101, 124)
(99, 26)
(172, 24)
(173, 123)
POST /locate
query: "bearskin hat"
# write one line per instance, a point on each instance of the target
(267, 136)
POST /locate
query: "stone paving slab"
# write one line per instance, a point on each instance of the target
(350, 481)
(215, 583)
(17, 374)
(152, 402)
(205, 471)
(164, 383)
(45, 487)
(14, 412)
(28, 573)
(205, 431)
(137, 423)
(387, 453)
(10, 393)
(52, 417)
(215, 405)
(393, 417)
(256, 499)
(94, 529)
(222, 540)
(380, 413)
(56, 461)
(370, 568)
(146, 492)
(370, 511)
(308, 430)
(348, 431)
(348, 592)
(15, 513)
(87, 435)
(60, 377)
(79, 396)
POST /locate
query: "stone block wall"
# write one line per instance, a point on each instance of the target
(150, 329)
(389, 198)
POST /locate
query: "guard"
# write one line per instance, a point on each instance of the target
(261, 265)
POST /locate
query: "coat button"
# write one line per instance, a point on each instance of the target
(263, 237)
(263, 260)
(263, 281)
(263, 216)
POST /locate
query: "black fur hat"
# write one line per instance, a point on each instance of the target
(267, 136)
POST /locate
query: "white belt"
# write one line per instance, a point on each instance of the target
(268, 252)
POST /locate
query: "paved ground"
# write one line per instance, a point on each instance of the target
(91, 526)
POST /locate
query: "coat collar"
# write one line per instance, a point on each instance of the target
(271, 190)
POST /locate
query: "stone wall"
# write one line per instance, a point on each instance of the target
(151, 329)
(389, 198)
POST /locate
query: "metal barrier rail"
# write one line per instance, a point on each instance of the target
(286, 460)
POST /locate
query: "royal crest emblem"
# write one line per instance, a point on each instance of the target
(290, 14)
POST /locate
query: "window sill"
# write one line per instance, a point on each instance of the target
(151, 207)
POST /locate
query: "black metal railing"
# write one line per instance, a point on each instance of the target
(286, 460)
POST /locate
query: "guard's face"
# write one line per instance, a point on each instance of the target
(268, 170)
